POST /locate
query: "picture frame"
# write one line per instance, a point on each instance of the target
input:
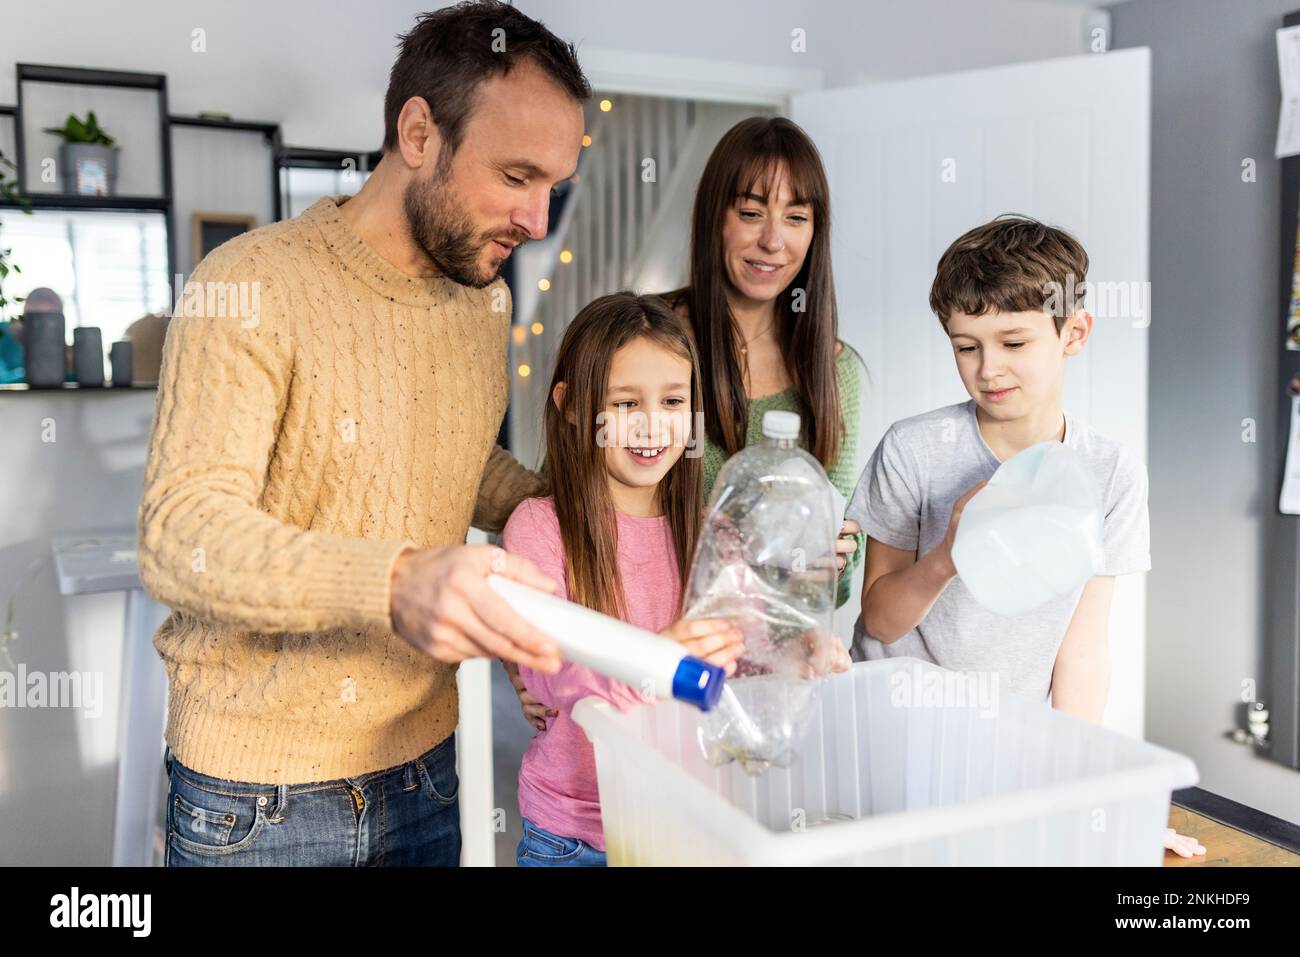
(210, 230)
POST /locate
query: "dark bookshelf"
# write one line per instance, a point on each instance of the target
(120, 79)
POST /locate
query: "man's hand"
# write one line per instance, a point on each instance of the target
(441, 603)
(715, 640)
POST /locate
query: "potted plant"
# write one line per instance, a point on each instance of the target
(9, 193)
(87, 158)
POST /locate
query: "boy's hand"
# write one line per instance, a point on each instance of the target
(715, 640)
(945, 547)
(535, 713)
(846, 544)
(1182, 844)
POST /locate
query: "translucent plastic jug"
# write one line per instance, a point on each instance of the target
(766, 560)
(1033, 533)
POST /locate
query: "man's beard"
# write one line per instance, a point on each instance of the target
(440, 226)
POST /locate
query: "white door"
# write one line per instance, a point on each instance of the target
(914, 164)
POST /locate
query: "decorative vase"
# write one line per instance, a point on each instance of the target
(88, 357)
(45, 349)
(119, 357)
(88, 169)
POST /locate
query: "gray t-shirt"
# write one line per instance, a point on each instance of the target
(905, 498)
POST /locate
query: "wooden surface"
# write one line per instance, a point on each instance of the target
(1224, 846)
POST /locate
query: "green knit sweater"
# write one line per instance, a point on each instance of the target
(843, 473)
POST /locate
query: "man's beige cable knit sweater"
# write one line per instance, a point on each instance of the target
(295, 452)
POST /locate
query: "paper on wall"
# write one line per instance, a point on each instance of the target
(1289, 504)
(1288, 66)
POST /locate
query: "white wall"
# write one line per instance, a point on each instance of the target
(320, 69)
(886, 147)
(852, 40)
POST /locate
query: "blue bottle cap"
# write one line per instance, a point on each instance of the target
(698, 682)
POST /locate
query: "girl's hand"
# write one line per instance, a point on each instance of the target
(535, 713)
(714, 640)
(846, 544)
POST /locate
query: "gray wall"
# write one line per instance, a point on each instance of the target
(1214, 350)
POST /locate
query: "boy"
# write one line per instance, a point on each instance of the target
(992, 292)
(998, 292)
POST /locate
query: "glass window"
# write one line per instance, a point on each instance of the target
(110, 268)
(303, 185)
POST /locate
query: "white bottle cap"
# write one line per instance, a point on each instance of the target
(780, 425)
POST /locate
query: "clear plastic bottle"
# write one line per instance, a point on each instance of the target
(766, 560)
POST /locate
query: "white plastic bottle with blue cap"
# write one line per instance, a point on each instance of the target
(651, 663)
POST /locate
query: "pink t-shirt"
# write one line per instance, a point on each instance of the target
(557, 779)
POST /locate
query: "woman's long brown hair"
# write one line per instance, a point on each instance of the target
(575, 469)
(747, 160)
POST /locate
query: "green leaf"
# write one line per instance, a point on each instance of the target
(75, 131)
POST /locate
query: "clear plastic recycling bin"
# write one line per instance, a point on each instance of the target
(904, 763)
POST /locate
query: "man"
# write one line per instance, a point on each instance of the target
(329, 397)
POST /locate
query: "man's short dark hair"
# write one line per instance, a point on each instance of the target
(450, 52)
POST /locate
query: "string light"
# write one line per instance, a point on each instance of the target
(566, 256)
(543, 284)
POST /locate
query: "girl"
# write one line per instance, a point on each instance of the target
(617, 531)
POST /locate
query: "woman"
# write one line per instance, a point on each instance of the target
(762, 303)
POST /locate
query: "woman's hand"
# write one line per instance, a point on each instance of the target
(846, 544)
(715, 640)
(826, 654)
(535, 713)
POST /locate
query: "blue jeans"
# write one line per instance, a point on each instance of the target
(404, 816)
(539, 848)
